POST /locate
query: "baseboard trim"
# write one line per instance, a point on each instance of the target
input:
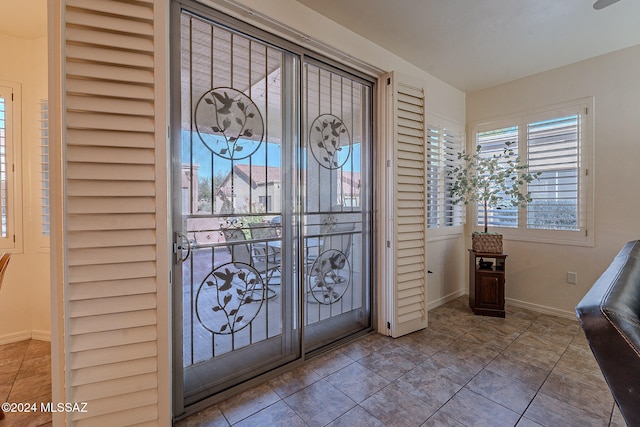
(41, 335)
(542, 309)
(15, 337)
(445, 299)
(25, 335)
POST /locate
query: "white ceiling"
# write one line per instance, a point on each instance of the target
(475, 44)
(470, 44)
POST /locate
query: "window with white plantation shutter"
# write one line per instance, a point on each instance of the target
(493, 142)
(10, 170)
(553, 151)
(556, 142)
(434, 176)
(44, 173)
(408, 311)
(443, 145)
(6, 128)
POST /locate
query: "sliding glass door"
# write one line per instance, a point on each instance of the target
(336, 197)
(272, 205)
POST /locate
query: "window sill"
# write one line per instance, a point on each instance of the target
(566, 238)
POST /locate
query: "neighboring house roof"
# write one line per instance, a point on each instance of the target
(253, 175)
(261, 175)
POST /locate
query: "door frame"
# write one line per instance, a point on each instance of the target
(222, 18)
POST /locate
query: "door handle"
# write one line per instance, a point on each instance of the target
(178, 248)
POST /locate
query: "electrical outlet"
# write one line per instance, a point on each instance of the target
(572, 277)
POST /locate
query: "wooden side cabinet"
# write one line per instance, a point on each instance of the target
(486, 283)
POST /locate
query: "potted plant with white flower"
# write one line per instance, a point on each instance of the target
(492, 181)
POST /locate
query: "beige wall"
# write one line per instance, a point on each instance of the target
(536, 272)
(24, 299)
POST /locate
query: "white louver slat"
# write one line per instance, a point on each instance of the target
(109, 133)
(409, 307)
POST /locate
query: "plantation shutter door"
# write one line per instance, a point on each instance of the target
(109, 132)
(408, 236)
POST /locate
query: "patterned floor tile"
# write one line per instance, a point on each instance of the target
(505, 391)
(320, 403)
(472, 409)
(357, 382)
(248, 403)
(550, 412)
(396, 407)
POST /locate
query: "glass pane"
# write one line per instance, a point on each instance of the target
(337, 205)
(238, 287)
(493, 142)
(3, 168)
(553, 150)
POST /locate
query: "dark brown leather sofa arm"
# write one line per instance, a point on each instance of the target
(610, 317)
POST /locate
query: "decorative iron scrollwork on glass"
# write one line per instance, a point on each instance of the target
(329, 141)
(224, 299)
(329, 277)
(229, 123)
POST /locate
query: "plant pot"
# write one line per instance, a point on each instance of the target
(490, 243)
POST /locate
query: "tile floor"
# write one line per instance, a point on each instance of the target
(464, 370)
(25, 376)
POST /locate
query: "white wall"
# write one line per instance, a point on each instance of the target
(536, 273)
(446, 261)
(24, 298)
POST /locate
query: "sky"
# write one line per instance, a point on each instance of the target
(271, 152)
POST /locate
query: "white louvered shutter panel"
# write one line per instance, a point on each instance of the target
(434, 176)
(493, 143)
(554, 152)
(408, 237)
(443, 145)
(452, 144)
(109, 134)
